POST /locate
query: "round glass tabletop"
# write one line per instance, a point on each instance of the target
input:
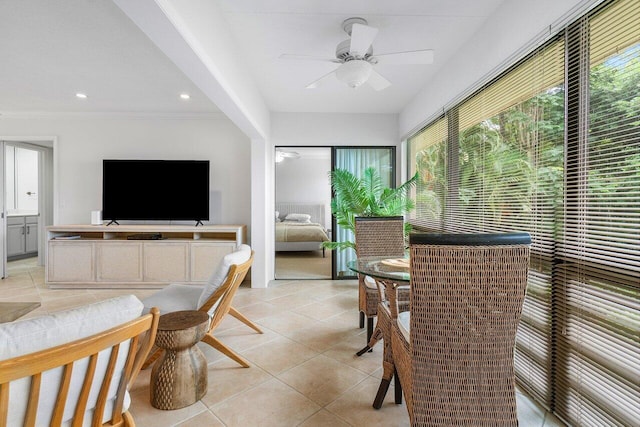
(385, 268)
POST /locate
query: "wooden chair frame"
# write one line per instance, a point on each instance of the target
(141, 332)
(223, 296)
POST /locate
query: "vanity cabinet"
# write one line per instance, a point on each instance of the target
(22, 235)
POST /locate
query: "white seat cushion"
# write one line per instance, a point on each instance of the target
(370, 283)
(404, 324)
(175, 297)
(30, 335)
(219, 275)
(39, 333)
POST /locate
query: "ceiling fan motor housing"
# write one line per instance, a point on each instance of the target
(342, 51)
(347, 24)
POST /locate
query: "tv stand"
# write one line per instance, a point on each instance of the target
(198, 222)
(113, 221)
(100, 256)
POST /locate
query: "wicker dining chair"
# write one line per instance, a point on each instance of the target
(375, 236)
(454, 349)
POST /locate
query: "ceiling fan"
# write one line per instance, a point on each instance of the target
(356, 58)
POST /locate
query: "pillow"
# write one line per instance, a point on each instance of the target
(298, 217)
(217, 278)
(277, 216)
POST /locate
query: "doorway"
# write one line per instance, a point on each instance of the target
(303, 187)
(27, 175)
(303, 212)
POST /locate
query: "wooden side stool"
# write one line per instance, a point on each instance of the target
(179, 377)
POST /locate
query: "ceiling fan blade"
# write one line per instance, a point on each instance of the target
(377, 82)
(361, 38)
(292, 56)
(424, 56)
(321, 80)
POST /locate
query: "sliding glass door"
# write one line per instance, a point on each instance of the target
(356, 160)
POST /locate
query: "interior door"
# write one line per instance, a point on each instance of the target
(356, 160)
(23, 166)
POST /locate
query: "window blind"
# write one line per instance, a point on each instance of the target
(597, 278)
(510, 170)
(552, 147)
(427, 156)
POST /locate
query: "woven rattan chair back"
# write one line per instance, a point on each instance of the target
(466, 299)
(379, 236)
(376, 236)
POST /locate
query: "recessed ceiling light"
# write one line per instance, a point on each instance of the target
(185, 96)
(81, 95)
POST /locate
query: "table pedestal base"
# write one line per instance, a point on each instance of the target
(179, 377)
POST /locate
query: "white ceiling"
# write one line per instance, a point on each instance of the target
(265, 30)
(52, 49)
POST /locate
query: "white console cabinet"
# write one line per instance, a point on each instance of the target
(89, 256)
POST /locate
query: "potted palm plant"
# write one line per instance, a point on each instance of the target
(366, 196)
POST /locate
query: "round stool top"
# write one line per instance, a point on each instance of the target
(179, 320)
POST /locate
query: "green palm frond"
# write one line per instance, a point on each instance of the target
(366, 197)
(348, 190)
(372, 182)
(339, 245)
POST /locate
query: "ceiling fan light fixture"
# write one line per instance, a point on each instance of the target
(354, 73)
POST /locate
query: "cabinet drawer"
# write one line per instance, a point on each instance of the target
(166, 262)
(119, 262)
(70, 262)
(15, 220)
(33, 219)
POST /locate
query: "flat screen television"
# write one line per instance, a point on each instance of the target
(166, 190)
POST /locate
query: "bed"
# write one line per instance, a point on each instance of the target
(300, 235)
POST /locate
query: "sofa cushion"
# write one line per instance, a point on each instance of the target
(30, 335)
(219, 275)
(39, 333)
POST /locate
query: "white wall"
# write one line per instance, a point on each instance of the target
(327, 129)
(513, 25)
(83, 141)
(305, 180)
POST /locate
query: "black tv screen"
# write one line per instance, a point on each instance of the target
(155, 190)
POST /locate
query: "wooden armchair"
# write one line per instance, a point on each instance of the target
(214, 299)
(454, 350)
(85, 378)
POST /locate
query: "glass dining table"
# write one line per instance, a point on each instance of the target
(392, 278)
(383, 268)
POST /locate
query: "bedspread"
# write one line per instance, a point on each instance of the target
(300, 232)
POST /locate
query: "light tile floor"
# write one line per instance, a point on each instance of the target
(304, 371)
